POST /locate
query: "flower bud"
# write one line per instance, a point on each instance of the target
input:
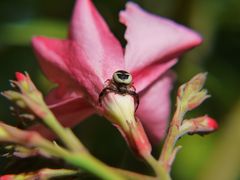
(201, 125)
(14, 135)
(196, 83)
(16, 97)
(45, 173)
(3, 133)
(29, 98)
(23, 152)
(197, 99)
(120, 110)
(8, 177)
(191, 93)
(22, 80)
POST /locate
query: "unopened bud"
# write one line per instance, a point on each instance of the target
(191, 93)
(16, 97)
(201, 125)
(120, 110)
(3, 133)
(20, 76)
(23, 82)
(196, 100)
(27, 96)
(8, 177)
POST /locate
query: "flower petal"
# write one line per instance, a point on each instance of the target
(69, 112)
(61, 94)
(65, 63)
(72, 111)
(92, 34)
(153, 39)
(51, 57)
(150, 73)
(84, 73)
(154, 107)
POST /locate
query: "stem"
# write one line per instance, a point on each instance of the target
(158, 168)
(172, 136)
(65, 135)
(133, 175)
(81, 160)
(92, 165)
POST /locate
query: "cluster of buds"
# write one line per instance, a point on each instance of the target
(28, 97)
(190, 96)
(26, 143)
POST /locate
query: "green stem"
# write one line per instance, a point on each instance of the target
(157, 167)
(81, 160)
(172, 135)
(133, 175)
(65, 135)
(92, 165)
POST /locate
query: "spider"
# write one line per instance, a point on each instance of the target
(121, 83)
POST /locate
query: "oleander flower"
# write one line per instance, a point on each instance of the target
(82, 63)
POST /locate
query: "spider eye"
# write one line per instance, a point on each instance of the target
(122, 77)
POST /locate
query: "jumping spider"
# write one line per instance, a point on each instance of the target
(121, 83)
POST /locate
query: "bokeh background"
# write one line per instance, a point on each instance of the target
(215, 156)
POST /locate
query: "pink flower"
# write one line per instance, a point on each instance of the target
(91, 54)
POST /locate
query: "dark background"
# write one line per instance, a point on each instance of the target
(215, 156)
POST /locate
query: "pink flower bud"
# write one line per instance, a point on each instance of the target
(7, 177)
(201, 125)
(20, 76)
(23, 82)
(212, 123)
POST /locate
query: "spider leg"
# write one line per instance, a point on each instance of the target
(107, 82)
(136, 98)
(133, 87)
(104, 92)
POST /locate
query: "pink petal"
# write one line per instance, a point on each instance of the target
(149, 74)
(92, 34)
(51, 55)
(69, 112)
(61, 94)
(72, 111)
(65, 63)
(153, 39)
(85, 73)
(154, 107)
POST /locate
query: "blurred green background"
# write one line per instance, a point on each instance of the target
(215, 156)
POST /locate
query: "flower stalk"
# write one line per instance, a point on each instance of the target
(190, 96)
(158, 168)
(81, 160)
(30, 98)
